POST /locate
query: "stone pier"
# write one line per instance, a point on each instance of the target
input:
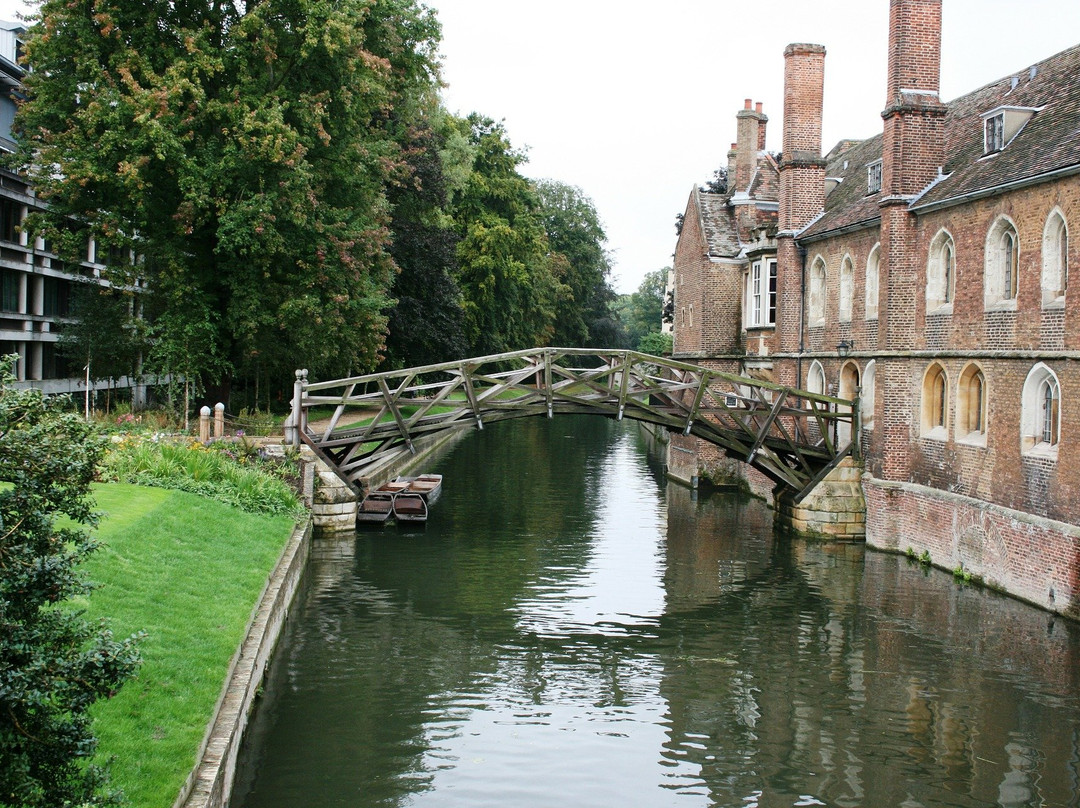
(835, 510)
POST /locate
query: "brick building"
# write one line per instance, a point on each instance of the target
(926, 270)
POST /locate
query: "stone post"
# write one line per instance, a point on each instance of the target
(204, 424)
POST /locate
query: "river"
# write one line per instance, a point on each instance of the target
(569, 629)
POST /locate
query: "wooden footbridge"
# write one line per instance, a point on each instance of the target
(793, 436)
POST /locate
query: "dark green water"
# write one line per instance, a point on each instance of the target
(570, 630)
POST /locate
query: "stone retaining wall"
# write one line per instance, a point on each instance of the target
(210, 784)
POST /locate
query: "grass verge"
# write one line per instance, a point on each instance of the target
(187, 571)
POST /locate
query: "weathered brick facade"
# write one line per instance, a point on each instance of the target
(936, 258)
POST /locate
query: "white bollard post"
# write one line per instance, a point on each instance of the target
(204, 424)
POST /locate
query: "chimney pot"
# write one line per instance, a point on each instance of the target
(757, 107)
(748, 103)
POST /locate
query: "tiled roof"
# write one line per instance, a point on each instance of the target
(1050, 141)
(848, 203)
(718, 224)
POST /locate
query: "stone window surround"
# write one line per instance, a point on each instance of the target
(1001, 272)
(1055, 260)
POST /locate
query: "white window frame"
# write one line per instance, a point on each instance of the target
(873, 282)
(971, 415)
(1038, 434)
(994, 133)
(868, 401)
(941, 273)
(934, 414)
(847, 289)
(816, 291)
(1001, 274)
(873, 177)
(761, 293)
(1055, 260)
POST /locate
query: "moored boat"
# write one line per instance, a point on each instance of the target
(375, 508)
(429, 486)
(409, 507)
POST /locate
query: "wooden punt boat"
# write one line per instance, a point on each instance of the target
(375, 508)
(409, 507)
(429, 486)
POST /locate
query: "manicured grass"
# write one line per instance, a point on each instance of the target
(187, 571)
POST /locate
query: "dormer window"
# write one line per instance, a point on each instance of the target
(995, 133)
(1002, 124)
(873, 177)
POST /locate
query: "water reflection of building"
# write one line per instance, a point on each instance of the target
(787, 684)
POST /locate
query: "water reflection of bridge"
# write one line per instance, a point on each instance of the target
(792, 436)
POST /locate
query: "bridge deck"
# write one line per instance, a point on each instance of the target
(795, 437)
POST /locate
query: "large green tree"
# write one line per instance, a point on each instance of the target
(242, 148)
(642, 311)
(576, 239)
(54, 664)
(426, 321)
(510, 292)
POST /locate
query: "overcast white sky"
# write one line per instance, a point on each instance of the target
(635, 102)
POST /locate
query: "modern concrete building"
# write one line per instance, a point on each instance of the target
(35, 283)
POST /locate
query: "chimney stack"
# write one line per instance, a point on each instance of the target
(802, 169)
(913, 147)
(751, 136)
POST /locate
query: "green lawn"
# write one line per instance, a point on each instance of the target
(187, 571)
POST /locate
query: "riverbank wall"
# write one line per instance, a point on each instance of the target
(210, 783)
(1023, 555)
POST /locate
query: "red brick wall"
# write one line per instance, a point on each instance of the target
(1027, 556)
(714, 291)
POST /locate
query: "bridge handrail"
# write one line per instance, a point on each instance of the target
(792, 435)
(455, 365)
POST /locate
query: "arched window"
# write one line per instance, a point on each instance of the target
(940, 272)
(971, 403)
(849, 389)
(873, 269)
(1055, 257)
(815, 378)
(935, 402)
(1002, 272)
(847, 289)
(869, 395)
(1040, 419)
(816, 308)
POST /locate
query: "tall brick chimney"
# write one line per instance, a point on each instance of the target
(802, 169)
(913, 150)
(802, 185)
(751, 136)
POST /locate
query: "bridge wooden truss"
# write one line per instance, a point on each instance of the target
(793, 436)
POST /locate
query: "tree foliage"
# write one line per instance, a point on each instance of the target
(54, 664)
(105, 334)
(642, 312)
(426, 321)
(575, 233)
(510, 293)
(244, 149)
